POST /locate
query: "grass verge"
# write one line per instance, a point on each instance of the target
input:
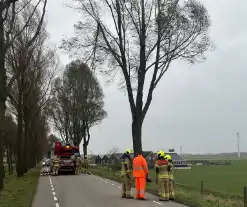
(19, 192)
(184, 195)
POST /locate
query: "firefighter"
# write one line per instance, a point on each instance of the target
(162, 176)
(78, 161)
(56, 165)
(171, 177)
(160, 154)
(126, 175)
(140, 173)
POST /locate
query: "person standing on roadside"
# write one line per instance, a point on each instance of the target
(126, 175)
(171, 177)
(140, 173)
(162, 176)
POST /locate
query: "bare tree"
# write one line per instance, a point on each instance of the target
(137, 37)
(113, 150)
(28, 61)
(10, 10)
(77, 103)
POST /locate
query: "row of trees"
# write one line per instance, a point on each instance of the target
(139, 39)
(26, 69)
(31, 97)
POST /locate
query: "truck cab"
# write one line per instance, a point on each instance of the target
(66, 153)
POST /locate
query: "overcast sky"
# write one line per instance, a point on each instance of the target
(200, 107)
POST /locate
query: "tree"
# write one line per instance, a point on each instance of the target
(113, 150)
(77, 104)
(30, 62)
(10, 10)
(140, 37)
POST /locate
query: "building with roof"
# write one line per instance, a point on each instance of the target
(105, 159)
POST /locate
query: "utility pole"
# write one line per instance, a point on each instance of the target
(238, 144)
(181, 153)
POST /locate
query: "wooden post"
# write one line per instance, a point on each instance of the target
(202, 188)
(245, 196)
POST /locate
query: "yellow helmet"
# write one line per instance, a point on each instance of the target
(161, 153)
(168, 157)
(128, 151)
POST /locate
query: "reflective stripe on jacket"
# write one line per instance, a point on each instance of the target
(170, 173)
(140, 168)
(125, 163)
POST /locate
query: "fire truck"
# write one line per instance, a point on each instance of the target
(66, 153)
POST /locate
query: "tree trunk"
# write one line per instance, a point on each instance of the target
(10, 160)
(19, 164)
(84, 149)
(137, 135)
(3, 97)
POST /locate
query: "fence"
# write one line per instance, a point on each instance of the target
(114, 169)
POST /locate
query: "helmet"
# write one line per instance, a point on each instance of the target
(161, 153)
(128, 151)
(168, 157)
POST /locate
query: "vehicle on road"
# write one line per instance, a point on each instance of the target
(66, 154)
(46, 163)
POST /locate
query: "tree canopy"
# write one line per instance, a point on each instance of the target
(138, 38)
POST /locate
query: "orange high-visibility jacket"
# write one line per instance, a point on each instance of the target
(140, 167)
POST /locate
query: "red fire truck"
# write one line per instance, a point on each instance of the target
(66, 152)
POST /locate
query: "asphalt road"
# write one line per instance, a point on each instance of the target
(87, 191)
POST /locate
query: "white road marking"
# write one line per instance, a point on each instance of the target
(54, 193)
(157, 202)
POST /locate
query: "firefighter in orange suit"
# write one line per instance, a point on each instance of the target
(140, 173)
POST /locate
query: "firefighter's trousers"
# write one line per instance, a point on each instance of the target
(140, 184)
(164, 189)
(55, 170)
(126, 186)
(77, 170)
(171, 189)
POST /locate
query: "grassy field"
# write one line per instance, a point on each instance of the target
(223, 185)
(228, 179)
(19, 192)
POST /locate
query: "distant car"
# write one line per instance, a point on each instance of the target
(46, 162)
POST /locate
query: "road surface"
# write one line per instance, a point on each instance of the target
(87, 191)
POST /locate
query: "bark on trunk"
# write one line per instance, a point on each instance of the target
(137, 136)
(19, 164)
(3, 97)
(84, 150)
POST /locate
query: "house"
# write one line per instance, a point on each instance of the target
(96, 159)
(178, 161)
(105, 159)
(115, 158)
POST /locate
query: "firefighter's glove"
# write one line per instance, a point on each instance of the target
(128, 176)
(169, 167)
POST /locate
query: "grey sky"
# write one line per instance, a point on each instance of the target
(200, 107)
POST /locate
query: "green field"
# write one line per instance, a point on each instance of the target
(229, 179)
(223, 185)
